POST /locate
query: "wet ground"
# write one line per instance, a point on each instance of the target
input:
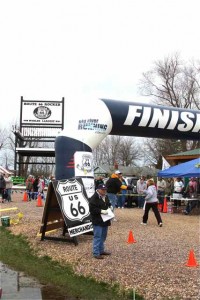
(16, 285)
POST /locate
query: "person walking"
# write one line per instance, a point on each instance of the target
(151, 202)
(98, 205)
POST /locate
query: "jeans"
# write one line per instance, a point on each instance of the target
(113, 199)
(100, 234)
(140, 201)
(9, 192)
(121, 199)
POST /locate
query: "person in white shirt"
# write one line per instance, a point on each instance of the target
(141, 187)
(178, 189)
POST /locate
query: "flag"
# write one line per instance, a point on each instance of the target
(165, 164)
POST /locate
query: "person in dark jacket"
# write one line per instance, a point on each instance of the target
(99, 204)
(35, 188)
(114, 186)
(2, 186)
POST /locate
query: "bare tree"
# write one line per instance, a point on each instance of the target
(3, 138)
(154, 149)
(173, 82)
(107, 151)
(112, 149)
(128, 151)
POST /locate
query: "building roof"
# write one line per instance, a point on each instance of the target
(183, 156)
(186, 153)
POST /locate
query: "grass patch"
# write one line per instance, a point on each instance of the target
(16, 252)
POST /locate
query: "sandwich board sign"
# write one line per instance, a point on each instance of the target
(69, 198)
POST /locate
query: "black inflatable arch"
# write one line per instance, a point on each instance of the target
(86, 127)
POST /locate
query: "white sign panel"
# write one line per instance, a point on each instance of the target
(74, 203)
(42, 112)
(83, 162)
(81, 229)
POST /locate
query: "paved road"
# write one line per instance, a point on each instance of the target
(16, 286)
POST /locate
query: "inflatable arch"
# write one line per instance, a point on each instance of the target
(86, 127)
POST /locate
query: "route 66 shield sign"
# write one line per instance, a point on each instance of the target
(75, 205)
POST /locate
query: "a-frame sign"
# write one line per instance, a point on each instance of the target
(66, 207)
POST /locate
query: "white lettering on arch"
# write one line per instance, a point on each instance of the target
(188, 124)
(197, 125)
(159, 117)
(132, 114)
(173, 120)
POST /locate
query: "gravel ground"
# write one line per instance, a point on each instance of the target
(154, 266)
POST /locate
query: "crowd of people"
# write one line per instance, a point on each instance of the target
(166, 188)
(33, 185)
(111, 194)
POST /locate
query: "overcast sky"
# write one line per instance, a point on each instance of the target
(88, 49)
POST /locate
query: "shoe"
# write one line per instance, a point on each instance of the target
(98, 257)
(185, 212)
(160, 224)
(114, 219)
(106, 253)
(143, 223)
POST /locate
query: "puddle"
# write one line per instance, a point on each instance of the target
(16, 285)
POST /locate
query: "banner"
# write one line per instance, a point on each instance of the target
(165, 164)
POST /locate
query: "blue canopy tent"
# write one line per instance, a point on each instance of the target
(188, 169)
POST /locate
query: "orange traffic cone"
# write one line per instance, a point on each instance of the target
(165, 209)
(39, 201)
(192, 260)
(25, 197)
(131, 239)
